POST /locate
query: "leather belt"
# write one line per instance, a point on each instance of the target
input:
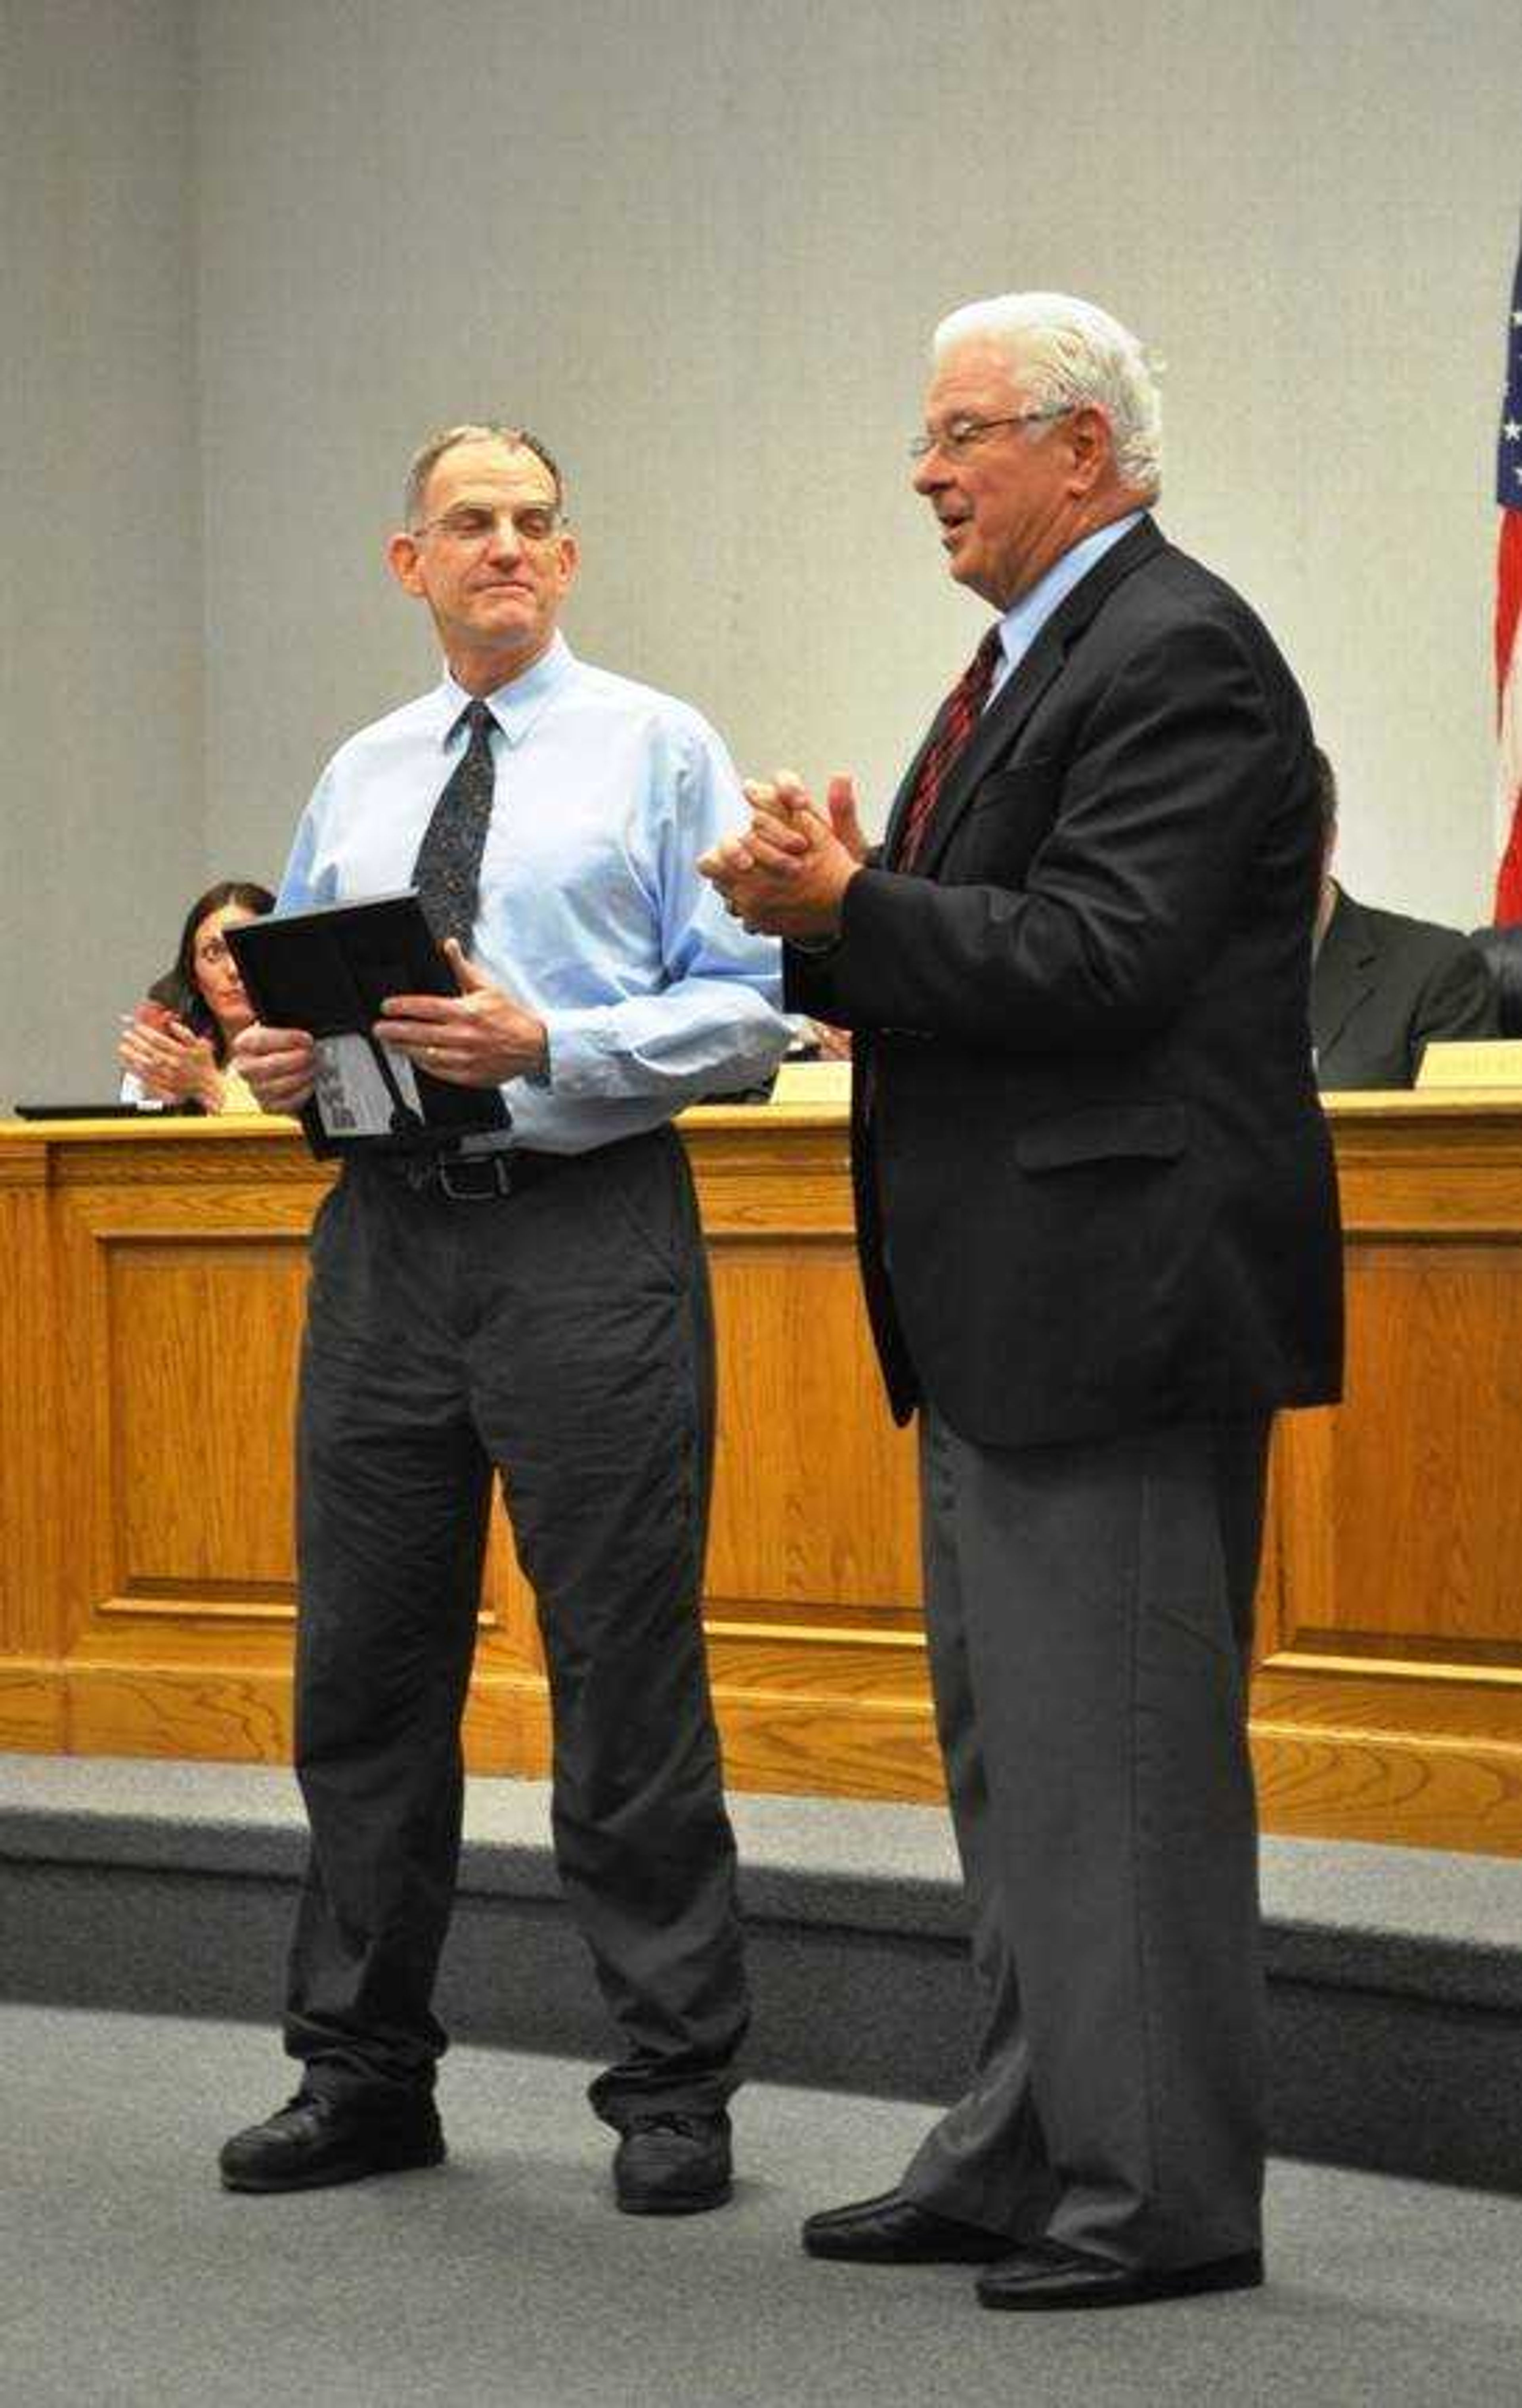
(471, 1178)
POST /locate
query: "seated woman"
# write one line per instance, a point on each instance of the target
(174, 1049)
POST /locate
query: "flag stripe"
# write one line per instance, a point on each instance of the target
(1508, 634)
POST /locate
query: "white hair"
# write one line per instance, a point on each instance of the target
(1068, 353)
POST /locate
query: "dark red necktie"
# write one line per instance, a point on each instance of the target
(960, 714)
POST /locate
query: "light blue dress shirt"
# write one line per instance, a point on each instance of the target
(591, 912)
(1023, 622)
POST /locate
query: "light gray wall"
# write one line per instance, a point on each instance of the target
(102, 825)
(699, 245)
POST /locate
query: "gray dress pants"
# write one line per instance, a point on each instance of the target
(562, 1336)
(1090, 1611)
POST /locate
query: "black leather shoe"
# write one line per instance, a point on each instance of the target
(311, 2141)
(673, 2164)
(1043, 2275)
(891, 2230)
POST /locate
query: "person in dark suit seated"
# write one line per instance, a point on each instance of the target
(1382, 985)
(1503, 949)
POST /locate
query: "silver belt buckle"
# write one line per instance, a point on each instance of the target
(500, 1178)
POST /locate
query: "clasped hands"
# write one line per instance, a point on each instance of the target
(476, 1039)
(173, 1065)
(786, 875)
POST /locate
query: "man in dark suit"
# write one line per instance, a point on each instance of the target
(1098, 1235)
(1382, 985)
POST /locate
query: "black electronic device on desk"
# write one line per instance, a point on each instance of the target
(115, 1111)
(328, 971)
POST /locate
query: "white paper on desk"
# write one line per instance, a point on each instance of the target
(352, 1097)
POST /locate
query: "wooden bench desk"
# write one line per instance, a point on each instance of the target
(150, 1299)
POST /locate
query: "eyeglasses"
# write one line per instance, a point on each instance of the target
(471, 524)
(963, 435)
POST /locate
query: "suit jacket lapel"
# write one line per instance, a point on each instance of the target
(906, 786)
(1000, 727)
(1345, 973)
(998, 732)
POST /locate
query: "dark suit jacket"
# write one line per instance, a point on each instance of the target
(1383, 986)
(1095, 1190)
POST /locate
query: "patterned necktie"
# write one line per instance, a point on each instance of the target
(447, 870)
(960, 714)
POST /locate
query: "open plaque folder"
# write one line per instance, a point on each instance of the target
(328, 971)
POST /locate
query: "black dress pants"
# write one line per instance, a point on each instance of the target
(562, 1334)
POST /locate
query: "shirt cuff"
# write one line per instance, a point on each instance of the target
(543, 1076)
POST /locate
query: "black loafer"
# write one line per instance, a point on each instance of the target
(673, 2164)
(1042, 2275)
(892, 2230)
(312, 2140)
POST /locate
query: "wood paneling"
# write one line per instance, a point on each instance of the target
(1434, 1353)
(801, 1523)
(32, 1498)
(201, 1363)
(149, 1311)
(1387, 1702)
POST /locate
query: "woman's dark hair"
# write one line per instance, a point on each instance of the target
(178, 987)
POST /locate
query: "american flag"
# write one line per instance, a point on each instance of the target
(1508, 633)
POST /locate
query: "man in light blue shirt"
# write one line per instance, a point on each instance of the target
(535, 1301)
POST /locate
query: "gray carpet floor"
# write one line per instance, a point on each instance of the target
(128, 2277)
